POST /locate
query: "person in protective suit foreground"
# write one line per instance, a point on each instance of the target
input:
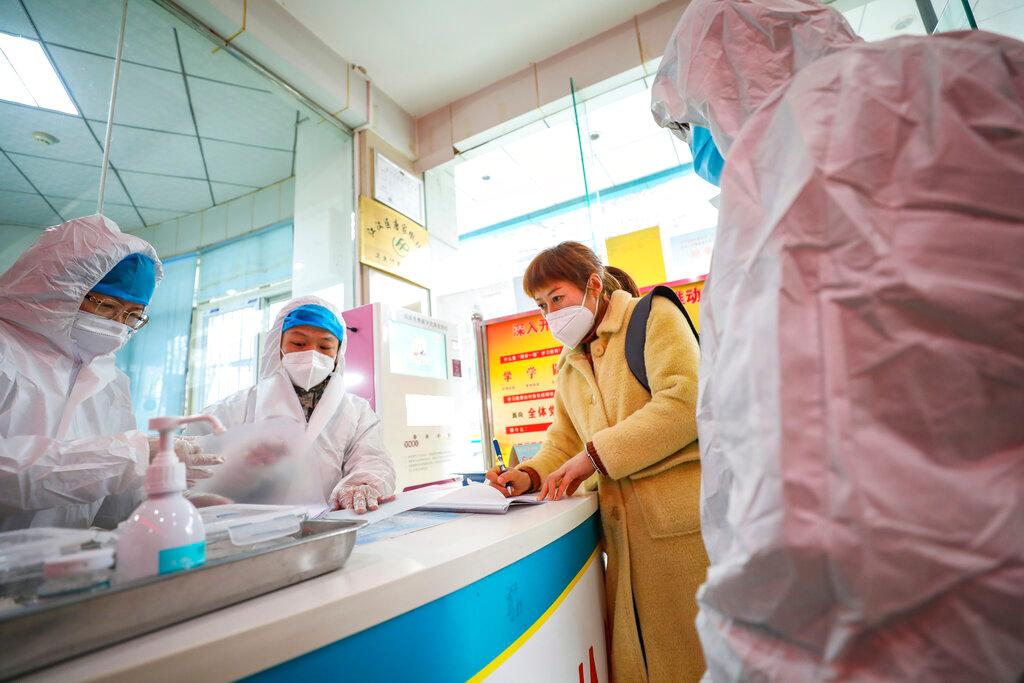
(70, 454)
(862, 371)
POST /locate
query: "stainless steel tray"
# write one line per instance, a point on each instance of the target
(42, 634)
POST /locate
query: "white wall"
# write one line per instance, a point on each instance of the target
(15, 239)
(270, 205)
(323, 250)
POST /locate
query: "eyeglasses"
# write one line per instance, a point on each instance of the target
(111, 310)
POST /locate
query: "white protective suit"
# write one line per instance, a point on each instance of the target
(68, 442)
(344, 431)
(861, 407)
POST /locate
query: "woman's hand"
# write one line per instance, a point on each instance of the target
(520, 481)
(566, 479)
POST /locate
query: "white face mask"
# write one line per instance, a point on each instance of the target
(98, 336)
(307, 368)
(570, 324)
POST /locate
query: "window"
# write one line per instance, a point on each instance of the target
(228, 340)
(28, 77)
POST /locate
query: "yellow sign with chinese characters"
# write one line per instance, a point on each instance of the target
(393, 243)
(639, 254)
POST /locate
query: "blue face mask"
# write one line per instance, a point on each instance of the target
(707, 161)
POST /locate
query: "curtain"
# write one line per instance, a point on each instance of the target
(156, 357)
(258, 259)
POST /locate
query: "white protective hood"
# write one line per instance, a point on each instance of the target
(67, 432)
(726, 57)
(275, 395)
(43, 290)
(270, 359)
(862, 339)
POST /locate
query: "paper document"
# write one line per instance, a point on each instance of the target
(478, 498)
(401, 503)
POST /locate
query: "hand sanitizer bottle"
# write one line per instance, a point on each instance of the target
(165, 534)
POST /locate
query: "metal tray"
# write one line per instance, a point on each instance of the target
(45, 633)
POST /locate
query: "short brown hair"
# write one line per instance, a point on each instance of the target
(570, 262)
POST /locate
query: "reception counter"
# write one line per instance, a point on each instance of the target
(499, 597)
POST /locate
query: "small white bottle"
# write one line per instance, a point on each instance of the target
(165, 534)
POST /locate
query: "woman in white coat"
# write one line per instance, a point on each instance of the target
(302, 379)
(70, 454)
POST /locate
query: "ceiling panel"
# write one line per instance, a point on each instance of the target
(225, 192)
(122, 214)
(154, 216)
(26, 209)
(148, 98)
(93, 25)
(134, 149)
(11, 179)
(172, 194)
(201, 60)
(70, 181)
(19, 122)
(240, 115)
(13, 19)
(243, 165)
(154, 144)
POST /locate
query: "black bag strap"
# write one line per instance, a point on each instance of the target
(636, 331)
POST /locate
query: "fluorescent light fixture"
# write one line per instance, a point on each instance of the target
(28, 77)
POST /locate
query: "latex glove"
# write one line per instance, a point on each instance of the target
(359, 496)
(188, 451)
(205, 500)
(566, 479)
(520, 481)
(266, 453)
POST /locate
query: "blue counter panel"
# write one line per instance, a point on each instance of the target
(456, 636)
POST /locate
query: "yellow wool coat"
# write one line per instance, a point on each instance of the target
(650, 499)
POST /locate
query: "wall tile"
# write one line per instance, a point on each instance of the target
(286, 202)
(190, 233)
(215, 224)
(265, 206)
(239, 216)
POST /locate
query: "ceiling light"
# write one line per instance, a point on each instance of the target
(44, 138)
(28, 77)
(903, 23)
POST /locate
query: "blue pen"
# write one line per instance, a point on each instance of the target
(501, 464)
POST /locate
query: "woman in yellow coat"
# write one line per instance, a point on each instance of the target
(643, 447)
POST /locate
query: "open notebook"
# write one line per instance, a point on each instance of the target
(478, 498)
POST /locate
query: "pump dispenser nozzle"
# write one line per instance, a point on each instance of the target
(166, 473)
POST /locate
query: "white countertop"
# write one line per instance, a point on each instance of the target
(380, 581)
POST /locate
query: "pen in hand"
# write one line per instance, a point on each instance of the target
(501, 464)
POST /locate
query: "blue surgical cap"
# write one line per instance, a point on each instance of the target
(132, 279)
(314, 315)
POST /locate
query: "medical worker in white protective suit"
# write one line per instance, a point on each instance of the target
(302, 378)
(861, 408)
(70, 453)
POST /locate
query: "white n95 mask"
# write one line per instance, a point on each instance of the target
(98, 336)
(307, 368)
(570, 324)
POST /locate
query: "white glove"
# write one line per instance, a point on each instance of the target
(360, 494)
(197, 463)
